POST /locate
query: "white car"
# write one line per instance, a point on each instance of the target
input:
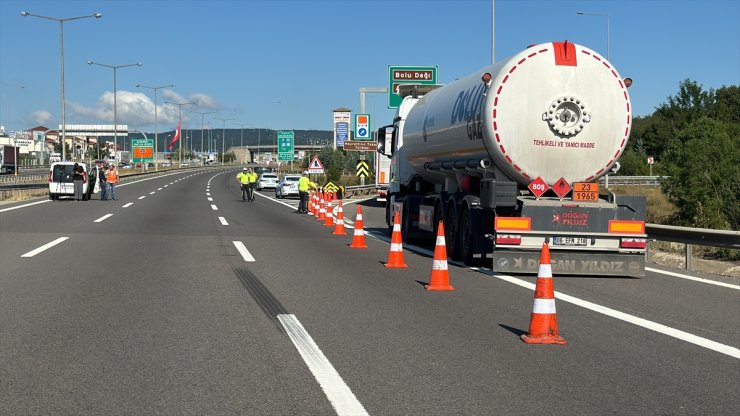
(287, 187)
(61, 184)
(267, 180)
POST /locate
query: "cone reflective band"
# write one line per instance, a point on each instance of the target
(329, 216)
(395, 255)
(339, 229)
(440, 277)
(358, 238)
(543, 324)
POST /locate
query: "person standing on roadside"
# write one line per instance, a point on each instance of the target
(304, 185)
(243, 179)
(252, 180)
(103, 184)
(78, 179)
(111, 178)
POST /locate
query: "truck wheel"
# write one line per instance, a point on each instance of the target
(466, 238)
(451, 240)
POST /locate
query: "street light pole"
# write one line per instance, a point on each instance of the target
(223, 138)
(241, 135)
(156, 124)
(179, 105)
(608, 29)
(202, 113)
(61, 49)
(115, 102)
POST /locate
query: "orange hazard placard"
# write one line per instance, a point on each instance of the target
(143, 152)
(585, 191)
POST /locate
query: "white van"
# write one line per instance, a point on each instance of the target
(61, 184)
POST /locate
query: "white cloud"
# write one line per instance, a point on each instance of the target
(42, 117)
(136, 109)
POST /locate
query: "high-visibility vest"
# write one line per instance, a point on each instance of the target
(304, 184)
(111, 176)
(242, 177)
(252, 177)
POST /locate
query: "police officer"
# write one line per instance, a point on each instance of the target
(304, 185)
(251, 181)
(243, 179)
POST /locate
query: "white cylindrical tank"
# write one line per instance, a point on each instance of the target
(553, 110)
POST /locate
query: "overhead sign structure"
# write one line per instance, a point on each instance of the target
(363, 170)
(360, 146)
(315, 166)
(398, 75)
(143, 150)
(362, 127)
(285, 145)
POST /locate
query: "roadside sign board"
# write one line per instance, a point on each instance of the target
(315, 166)
(408, 75)
(285, 145)
(362, 127)
(360, 146)
(363, 170)
(143, 150)
(561, 188)
(538, 187)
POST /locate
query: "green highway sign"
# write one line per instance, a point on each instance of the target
(143, 150)
(408, 75)
(285, 145)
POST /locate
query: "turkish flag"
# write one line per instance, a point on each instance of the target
(176, 138)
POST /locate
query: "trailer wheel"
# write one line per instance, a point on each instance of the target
(453, 248)
(466, 238)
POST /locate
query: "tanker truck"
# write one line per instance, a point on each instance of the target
(509, 157)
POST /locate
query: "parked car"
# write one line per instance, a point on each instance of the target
(287, 187)
(61, 184)
(267, 180)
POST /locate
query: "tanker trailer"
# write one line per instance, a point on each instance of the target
(509, 158)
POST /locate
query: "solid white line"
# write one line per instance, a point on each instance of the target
(210, 199)
(336, 390)
(103, 218)
(694, 278)
(243, 251)
(142, 197)
(45, 247)
(653, 326)
(25, 205)
(223, 221)
(213, 207)
(128, 205)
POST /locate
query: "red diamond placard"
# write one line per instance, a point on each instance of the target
(561, 188)
(538, 187)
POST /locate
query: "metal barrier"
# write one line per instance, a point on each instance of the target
(692, 237)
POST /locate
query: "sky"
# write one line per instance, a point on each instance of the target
(282, 64)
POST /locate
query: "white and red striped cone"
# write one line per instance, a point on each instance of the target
(322, 208)
(543, 325)
(440, 277)
(358, 238)
(395, 255)
(329, 222)
(339, 220)
(310, 202)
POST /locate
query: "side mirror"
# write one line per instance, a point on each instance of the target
(381, 140)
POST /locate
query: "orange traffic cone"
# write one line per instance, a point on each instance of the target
(440, 277)
(395, 256)
(358, 239)
(339, 229)
(310, 202)
(322, 208)
(329, 215)
(543, 326)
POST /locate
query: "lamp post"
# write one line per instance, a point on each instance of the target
(115, 98)
(241, 135)
(608, 29)
(179, 105)
(202, 113)
(61, 48)
(223, 138)
(156, 124)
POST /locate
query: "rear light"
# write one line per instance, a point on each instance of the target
(508, 239)
(633, 243)
(627, 227)
(513, 223)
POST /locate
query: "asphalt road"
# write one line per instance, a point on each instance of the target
(166, 302)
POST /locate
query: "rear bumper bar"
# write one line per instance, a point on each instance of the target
(570, 263)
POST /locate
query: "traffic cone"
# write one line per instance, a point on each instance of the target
(329, 215)
(543, 326)
(310, 202)
(316, 206)
(322, 208)
(440, 277)
(395, 255)
(358, 239)
(339, 229)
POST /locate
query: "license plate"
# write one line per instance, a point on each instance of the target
(570, 241)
